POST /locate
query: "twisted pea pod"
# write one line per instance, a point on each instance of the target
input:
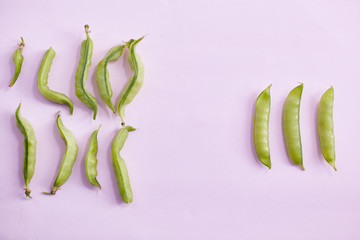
(29, 149)
(102, 74)
(261, 127)
(69, 157)
(121, 173)
(82, 72)
(91, 161)
(291, 125)
(18, 59)
(134, 84)
(43, 76)
(326, 126)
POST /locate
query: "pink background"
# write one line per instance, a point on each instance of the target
(192, 165)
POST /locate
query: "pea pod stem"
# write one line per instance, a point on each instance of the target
(135, 82)
(43, 76)
(291, 125)
(18, 59)
(69, 157)
(91, 160)
(29, 149)
(326, 126)
(261, 127)
(121, 173)
(82, 73)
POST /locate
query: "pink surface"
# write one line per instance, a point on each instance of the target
(192, 164)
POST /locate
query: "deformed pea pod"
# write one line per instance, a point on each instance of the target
(326, 126)
(69, 157)
(102, 75)
(29, 149)
(134, 84)
(291, 125)
(121, 173)
(261, 127)
(82, 72)
(43, 76)
(18, 59)
(91, 161)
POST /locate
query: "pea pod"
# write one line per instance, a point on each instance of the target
(121, 173)
(291, 125)
(261, 127)
(91, 161)
(82, 72)
(29, 149)
(43, 76)
(18, 59)
(134, 84)
(69, 157)
(326, 126)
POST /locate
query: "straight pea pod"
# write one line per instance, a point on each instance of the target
(91, 161)
(291, 125)
(18, 59)
(102, 75)
(261, 127)
(43, 76)
(326, 126)
(121, 173)
(69, 157)
(134, 84)
(29, 149)
(82, 72)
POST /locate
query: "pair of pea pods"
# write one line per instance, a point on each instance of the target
(102, 76)
(70, 155)
(291, 126)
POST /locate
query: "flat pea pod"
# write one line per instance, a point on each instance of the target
(102, 75)
(121, 173)
(326, 126)
(43, 76)
(291, 125)
(91, 161)
(18, 59)
(69, 157)
(135, 82)
(82, 72)
(261, 127)
(29, 149)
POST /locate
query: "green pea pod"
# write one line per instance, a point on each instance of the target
(291, 125)
(18, 59)
(121, 173)
(29, 149)
(91, 161)
(134, 84)
(261, 127)
(326, 126)
(69, 157)
(43, 76)
(102, 75)
(82, 72)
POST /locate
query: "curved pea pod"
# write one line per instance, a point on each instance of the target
(326, 126)
(29, 149)
(43, 76)
(82, 73)
(261, 127)
(291, 125)
(121, 173)
(91, 161)
(102, 75)
(134, 84)
(18, 59)
(69, 157)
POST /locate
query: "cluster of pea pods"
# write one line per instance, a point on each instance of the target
(102, 79)
(291, 126)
